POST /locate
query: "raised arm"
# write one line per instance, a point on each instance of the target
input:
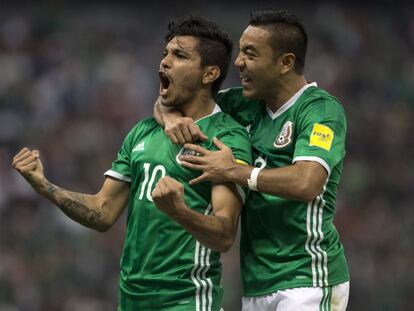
(215, 229)
(178, 128)
(98, 211)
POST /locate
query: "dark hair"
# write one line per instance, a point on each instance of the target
(214, 45)
(288, 33)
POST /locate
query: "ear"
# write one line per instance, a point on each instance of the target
(211, 73)
(287, 62)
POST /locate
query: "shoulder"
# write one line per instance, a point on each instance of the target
(321, 102)
(142, 127)
(144, 124)
(224, 122)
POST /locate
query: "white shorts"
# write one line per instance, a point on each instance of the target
(331, 298)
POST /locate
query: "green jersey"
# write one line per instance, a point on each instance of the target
(287, 243)
(162, 266)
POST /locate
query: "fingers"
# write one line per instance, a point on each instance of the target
(197, 148)
(23, 154)
(219, 144)
(27, 167)
(172, 136)
(188, 137)
(198, 180)
(192, 159)
(197, 134)
(26, 161)
(166, 185)
(158, 190)
(184, 130)
(180, 137)
(192, 166)
(25, 157)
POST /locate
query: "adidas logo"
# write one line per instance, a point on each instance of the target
(139, 147)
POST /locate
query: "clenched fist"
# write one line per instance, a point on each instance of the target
(168, 196)
(28, 163)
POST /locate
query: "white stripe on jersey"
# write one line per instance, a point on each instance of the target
(195, 281)
(199, 272)
(307, 243)
(314, 219)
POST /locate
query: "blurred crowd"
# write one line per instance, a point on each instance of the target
(75, 78)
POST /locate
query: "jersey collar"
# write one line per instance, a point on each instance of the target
(290, 102)
(215, 110)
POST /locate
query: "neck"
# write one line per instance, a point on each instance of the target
(199, 107)
(285, 91)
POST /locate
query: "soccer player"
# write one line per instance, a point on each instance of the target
(291, 256)
(175, 232)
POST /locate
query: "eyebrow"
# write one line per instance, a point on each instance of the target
(178, 50)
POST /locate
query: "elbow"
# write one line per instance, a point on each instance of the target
(226, 248)
(101, 226)
(224, 245)
(307, 192)
(103, 220)
(308, 197)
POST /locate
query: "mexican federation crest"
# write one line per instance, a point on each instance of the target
(185, 151)
(285, 136)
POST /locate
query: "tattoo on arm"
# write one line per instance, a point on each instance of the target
(75, 205)
(223, 227)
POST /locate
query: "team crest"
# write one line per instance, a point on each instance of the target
(285, 136)
(186, 151)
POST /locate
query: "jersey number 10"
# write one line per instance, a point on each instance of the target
(158, 168)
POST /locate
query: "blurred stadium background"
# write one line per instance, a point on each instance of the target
(74, 78)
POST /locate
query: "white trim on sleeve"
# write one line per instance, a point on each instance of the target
(314, 159)
(117, 175)
(241, 192)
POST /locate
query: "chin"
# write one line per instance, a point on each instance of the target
(250, 94)
(166, 102)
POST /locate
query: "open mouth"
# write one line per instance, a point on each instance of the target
(244, 80)
(164, 83)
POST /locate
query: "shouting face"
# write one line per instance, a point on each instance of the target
(180, 71)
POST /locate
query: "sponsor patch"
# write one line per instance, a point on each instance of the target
(285, 136)
(321, 136)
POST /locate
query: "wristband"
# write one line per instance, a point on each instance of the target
(252, 181)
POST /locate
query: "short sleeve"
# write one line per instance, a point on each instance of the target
(322, 132)
(121, 167)
(232, 102)
(238, 141)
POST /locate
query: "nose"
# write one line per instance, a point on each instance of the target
(165, 62)
(238, 62)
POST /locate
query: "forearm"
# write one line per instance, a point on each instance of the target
(215, 232)
(289, 182)
(82, 208)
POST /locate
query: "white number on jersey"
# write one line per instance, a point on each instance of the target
(158, 168)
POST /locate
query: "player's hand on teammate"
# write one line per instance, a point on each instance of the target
(168, 195)
(27, 163)
(183, 130)
(216, 165)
